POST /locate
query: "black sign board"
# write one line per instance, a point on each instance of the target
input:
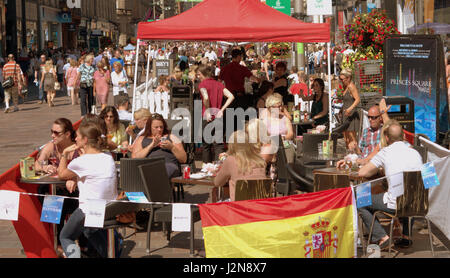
(162, 67)
(412, 69)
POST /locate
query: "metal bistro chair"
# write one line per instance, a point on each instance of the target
(113, 209)
(158, 189)
(413, 203)
(324, 181)
(130, 179)
(253, 189)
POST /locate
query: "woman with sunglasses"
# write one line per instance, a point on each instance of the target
(63, 136)
(158, 142)
(116, 134)
(276, 118)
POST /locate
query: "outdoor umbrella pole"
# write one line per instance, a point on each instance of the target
(135, 79)
(329, 88)
(148, 68)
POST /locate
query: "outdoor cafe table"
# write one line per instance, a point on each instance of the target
(302, 126)
(207, 181)
(329, 159)
(53, 181)
(352, 177)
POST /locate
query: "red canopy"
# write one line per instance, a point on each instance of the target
(235, 21)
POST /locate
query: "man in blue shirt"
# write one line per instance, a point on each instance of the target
(117, 58)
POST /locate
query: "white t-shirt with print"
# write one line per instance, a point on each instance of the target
(96, 177)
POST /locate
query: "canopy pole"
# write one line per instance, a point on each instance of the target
(135, 79)
(148, 68)
(329, 86)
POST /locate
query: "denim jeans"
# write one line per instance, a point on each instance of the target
(42, 93)
(378, 205)
(72, 231)
(86, 100)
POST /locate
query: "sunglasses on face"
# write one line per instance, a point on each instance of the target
(109, 117)
(56, 133)
(373, 117)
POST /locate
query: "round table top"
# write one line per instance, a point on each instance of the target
(334, 157)
(203, 181)
(335, 171)
(43, 180)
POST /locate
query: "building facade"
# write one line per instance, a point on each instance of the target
(129, 14)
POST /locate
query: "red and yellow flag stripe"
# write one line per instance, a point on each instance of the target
(321, 224)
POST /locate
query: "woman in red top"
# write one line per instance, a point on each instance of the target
(212, 93)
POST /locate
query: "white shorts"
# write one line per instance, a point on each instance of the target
(70, 88)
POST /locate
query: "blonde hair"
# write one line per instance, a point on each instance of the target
(118, 63)
(142, 113)
(48, 65)
(89, 57)
(274, 99)
(246, 154)
(73, 62)
(347, 73)
(302, 76)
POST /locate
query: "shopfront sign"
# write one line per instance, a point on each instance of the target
(319, 7)
(283, 6)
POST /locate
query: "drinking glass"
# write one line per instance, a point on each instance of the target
(42, 164)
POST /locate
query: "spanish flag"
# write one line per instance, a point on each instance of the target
(315, 225)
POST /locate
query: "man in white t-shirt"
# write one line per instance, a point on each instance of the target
(397, 157)
(210, 54)
(123, 104)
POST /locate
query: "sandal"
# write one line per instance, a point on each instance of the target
(385, 245)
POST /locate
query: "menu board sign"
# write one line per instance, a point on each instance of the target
(411, 70)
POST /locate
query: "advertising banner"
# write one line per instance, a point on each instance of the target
(411, 70)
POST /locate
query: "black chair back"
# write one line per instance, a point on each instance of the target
(311, 142)
(130, 179)
(281, 160)
(157, 184)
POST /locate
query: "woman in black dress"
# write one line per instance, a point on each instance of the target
(158, 142)
(281, 84)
